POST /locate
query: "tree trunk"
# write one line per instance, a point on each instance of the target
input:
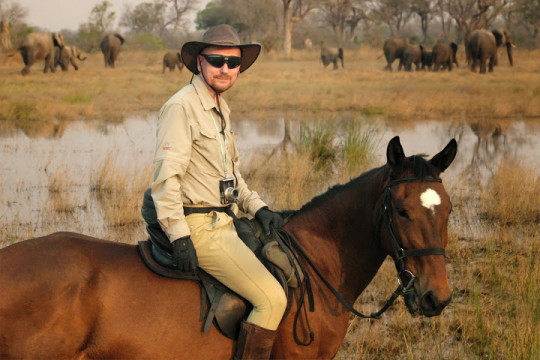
(5, 40)
(287, 31)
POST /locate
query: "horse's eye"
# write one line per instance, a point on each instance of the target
(403, 213)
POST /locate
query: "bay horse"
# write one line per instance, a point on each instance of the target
(71, 296)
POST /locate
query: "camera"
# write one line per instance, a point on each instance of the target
(227, 191)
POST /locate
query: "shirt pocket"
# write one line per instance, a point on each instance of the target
(207, 154)
(207, 134)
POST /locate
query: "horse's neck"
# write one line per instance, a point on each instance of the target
(340, 236)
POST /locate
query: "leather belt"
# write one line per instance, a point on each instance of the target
(204, 210)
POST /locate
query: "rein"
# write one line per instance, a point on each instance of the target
(405, 277)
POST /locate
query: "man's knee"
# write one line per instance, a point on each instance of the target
(279, 301)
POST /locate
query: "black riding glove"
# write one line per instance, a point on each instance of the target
(268, 218)
(184, 255)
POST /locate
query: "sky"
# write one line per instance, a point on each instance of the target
(55, 15)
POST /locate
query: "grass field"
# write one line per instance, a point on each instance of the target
(495, 312)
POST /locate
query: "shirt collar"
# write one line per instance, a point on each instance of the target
(207, 100)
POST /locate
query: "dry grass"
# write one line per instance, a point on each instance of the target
(506, 201)
(59, 189)
(119, 192)
(137, 85)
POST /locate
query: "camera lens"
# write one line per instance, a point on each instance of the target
(231, 194)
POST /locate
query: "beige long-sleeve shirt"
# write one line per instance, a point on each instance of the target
(192, 156)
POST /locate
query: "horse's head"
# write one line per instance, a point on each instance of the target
(413, 225)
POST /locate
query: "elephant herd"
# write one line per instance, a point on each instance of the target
(50, 48)
(480, 49)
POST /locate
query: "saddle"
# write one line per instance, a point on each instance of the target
(220, 305)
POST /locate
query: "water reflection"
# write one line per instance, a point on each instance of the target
(79, 150)
(481, 146)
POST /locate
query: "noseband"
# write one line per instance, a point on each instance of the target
(405, 277)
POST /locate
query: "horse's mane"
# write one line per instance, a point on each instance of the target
(415, 166)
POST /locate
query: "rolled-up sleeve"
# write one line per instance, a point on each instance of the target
(173, 151)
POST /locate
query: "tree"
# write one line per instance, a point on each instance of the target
(394, 13)
(526, 13)
(423, 8)
(335, 14)
(440, 10)
(12, 13)
(293, 12)
(470, 15)
(145, 18)
(343, 16)
(213, 14)
(100, 22)
(5, 38)
(101, 18)
(255, 20)
(178, 11)
(12, 26)
(357, 14)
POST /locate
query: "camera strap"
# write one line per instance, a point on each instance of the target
(222, 145)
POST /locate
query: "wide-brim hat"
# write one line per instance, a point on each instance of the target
(220, 35)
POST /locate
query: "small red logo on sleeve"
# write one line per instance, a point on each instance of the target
(167, 147)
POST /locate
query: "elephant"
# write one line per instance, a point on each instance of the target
(110, 47)
(63, 57)
(444, 55)
(412, 54)
(40, 46)
(171, 60)
(427, 60)
(332, 55)
(482, 45)
(393, 49)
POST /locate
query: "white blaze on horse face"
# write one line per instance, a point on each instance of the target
(430, 199)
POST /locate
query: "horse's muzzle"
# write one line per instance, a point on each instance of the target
(428, 304)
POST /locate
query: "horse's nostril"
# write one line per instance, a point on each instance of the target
(430, 302)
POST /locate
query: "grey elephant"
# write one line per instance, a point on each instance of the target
(444, 55)
(67, 55)
(393, 49)
(110, 47)
(171, 60)
(427, 60)
(412, 54)
(482, 45)
(40, 46)
(332, 55)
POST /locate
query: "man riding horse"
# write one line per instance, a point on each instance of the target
(197, 187)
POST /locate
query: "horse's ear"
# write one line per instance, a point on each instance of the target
(442, 160)
(394, 152)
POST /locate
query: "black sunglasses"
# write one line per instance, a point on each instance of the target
(219, 60)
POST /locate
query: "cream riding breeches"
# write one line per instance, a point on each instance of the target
(224, 255)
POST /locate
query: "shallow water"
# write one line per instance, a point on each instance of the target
(80, 149)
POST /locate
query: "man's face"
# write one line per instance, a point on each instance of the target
(219, 78)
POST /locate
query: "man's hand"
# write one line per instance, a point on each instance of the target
(184, 255)
(269, 218)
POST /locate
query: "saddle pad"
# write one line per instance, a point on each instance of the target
(145, 251)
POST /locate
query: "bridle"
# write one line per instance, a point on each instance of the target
(405, 277)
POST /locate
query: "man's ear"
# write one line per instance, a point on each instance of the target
(199, 63)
